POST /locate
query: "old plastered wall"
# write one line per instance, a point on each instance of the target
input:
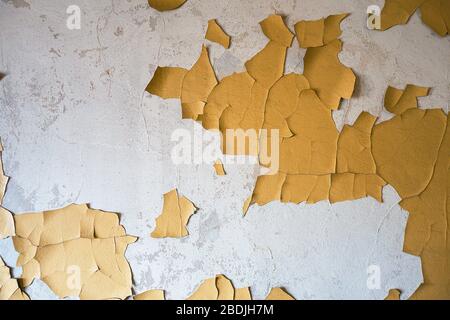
(77, 126)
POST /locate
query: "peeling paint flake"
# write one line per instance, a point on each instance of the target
(219, 288)
(76, 251)
(216, 34)
(434, 13)
(9, 287)
(175, 216)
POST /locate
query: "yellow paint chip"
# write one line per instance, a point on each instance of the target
(233, 95)
(427, 232)
(76, 251)
(267, 66)
(175, 216)
(434, 13)
(206, 291)
(242, 294)
(279, 294)
(268, 189)
(197, 85)
(165, 5)
(216, 34)
(6, 224)
(246, 206)
(354, 149)
(316, 33)
(349, 186)
(167, 82)
(398, 101)
(9, 287)
(150, 295)
(284, 101)
(398, 12)
(327, 76)
(219, 288)
(312, 148)
(276, 30)
(225, 288)
(333, 27)
(3, 179)
(296, 188)
(310, 33)
(218, 167)
(394, 294)
(411, 153)
(191, 86)
(311, 189)
(7, 228)
(405, 149)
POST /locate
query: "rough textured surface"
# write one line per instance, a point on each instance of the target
(77, 127)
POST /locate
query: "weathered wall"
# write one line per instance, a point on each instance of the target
(77, 127)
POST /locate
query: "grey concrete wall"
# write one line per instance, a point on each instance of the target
(77, 127)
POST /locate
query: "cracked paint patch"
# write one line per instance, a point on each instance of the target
(9, 287)
(434, 13)
(319, 163)
(175, 216)
(219, 288)
(76, 251)
(6, 218)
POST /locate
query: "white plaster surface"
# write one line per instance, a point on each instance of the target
(77, 126)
